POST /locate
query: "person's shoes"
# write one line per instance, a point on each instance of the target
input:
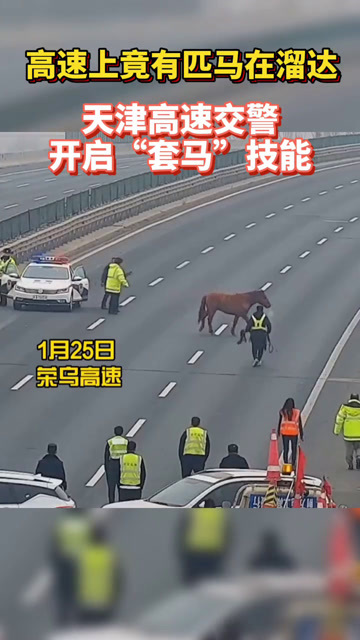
(260, 363)
(256, 362)
(103, 306)
(351, 467)
(358, 463)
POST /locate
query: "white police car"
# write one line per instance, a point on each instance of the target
(48, 281)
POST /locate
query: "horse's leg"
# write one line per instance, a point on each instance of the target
(236, 320)
(202, 324)
(211, 313)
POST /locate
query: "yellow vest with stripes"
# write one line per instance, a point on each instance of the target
(195, 443)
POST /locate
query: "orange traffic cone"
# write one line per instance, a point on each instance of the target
(273, 474)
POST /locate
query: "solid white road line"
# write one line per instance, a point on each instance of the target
(304, 254)
(96, 477)
(353, 181)
(26, 184)
(40, 198)
(155, 282)
(183, 264)
(165, 392)
(136, 427)
(305, 199)
(207, 250)
(151, 225)
(95, 324)
(312, 399)
(10, 206)
(322, 241)
(92, 186)
(127, 301)
(219, 331)
(37, 588)
(322, 193)
(338, 229)
(21, 382)
(290, 206)
(286, 269)
(232, 235)
(266, 286)
(340, 186)
(351, 220)
(270, 215)
(195, 357)
(249, 226)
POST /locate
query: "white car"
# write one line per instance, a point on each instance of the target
(29, 491)
(235, 488)
(47, 281)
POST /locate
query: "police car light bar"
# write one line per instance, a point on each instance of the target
(50, 259)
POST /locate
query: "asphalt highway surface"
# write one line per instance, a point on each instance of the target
(23, 188)
(297, 238)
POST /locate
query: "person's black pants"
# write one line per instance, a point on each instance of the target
(130, 494)
(113, 481)
(258, 345)
(200, 566)
(105, 299)
(191, 463)
(114, 303)
(286, 442)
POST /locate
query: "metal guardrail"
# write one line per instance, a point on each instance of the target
(84, 212)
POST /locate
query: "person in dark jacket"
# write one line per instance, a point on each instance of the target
(233, 460)
(270, 556)
(194, 448)
(114, 449)
(50, 466)
(259, 327)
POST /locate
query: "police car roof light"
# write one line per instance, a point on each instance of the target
(42, 258)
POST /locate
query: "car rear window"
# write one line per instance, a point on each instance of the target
(181, 493)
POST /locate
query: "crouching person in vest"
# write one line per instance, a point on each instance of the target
(98, 581)
(204, 540)
(132, 474)
(194, 448)
(115, 448)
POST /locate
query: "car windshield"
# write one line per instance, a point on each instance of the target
(180, 493)
(45, 272)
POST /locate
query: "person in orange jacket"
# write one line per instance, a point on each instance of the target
(290, 428)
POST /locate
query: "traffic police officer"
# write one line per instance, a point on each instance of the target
(6, 259)
(132, 474)
(115, 281)
(203, 543)
(348, 421)
(114, 449)
(194, 448)
(259, 327)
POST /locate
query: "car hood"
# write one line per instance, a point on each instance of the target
(32, 283)
(135, 504)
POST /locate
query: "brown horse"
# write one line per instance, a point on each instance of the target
(236, 304)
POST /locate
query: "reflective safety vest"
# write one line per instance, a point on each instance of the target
(258, 324)
(117, 447)
(96, 577)
(130, 475)
(348, 421)
(73, 535)
(115, 279)
(207, 531)
(291, 427)
(195, 443)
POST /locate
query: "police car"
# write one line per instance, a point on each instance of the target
(47, 281)
(234, 488)
(29, 491)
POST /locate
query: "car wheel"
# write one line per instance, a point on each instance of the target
(17, 306)
(69, 306)
(76, 304)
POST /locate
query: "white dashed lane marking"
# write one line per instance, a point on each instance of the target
(155, 282)
(305, 199)
(40, 198)
(50, 179)
(249, 226)
(136, 427)
(183, 264)
(338, 229)
(69, 191)
(340, 186)
(270, 215)
(37, 588)
(10, 206)
(322, 241)
(21, 382)
(165, 392)
(286, 269)
(92, 186)
(266, 286)
(289, 206)
(353, 181)
(220, 330)
(26, 184)
(353, 219)
(195, 357)
(303, 255)
(207, 250)
(232, 235)
(322, 193)
(95, 324)
(127, 301)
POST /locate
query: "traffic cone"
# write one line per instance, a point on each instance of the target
(270, 501)
(273, 474)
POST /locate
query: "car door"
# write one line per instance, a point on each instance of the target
(225, 493)
(7, 498)
(81, 282)
(9, 278)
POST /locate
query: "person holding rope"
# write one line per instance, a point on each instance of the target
(259, 327)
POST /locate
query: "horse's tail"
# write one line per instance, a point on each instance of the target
(202, 310)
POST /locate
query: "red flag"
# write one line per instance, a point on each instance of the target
(341, 557)
(299, 481)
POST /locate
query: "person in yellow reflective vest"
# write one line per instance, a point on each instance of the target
(98, 581)
(114, 282)
(132, 474)
(259, 327)
(6, 258)
(73, 531)
(114, 450)
(348, 422)
(194, 448)
(204, 541)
